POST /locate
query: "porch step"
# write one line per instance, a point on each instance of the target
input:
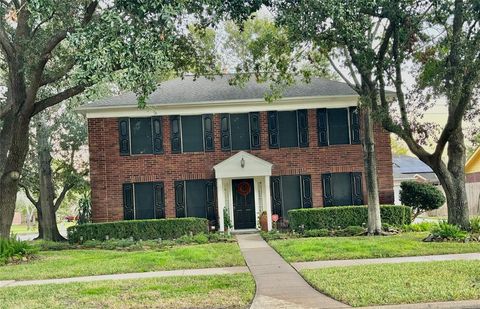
(245, 231)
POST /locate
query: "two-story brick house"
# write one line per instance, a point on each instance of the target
(202, 146)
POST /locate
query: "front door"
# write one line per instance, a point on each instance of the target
(243, 204)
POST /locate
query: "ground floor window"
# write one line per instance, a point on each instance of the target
(195, 198)
(290, 192)
(143, 200)
(342, 189)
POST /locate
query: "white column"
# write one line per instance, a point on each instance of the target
(268, 202)
(221, 204)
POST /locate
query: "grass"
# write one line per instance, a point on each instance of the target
(382, 284)
(337, 248)
(74, 263)
(223, 291)
(23, 229)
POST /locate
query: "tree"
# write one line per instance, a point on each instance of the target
(72, 45)
(379, 41)
(442, 40)
(421, 197)
(337, 30)
(57, 166)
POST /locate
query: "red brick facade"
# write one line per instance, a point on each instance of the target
(109, 170)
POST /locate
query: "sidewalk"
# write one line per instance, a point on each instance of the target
(426, 258)
(155, 274)
(278, 284)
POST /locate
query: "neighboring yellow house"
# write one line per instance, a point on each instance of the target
(472, 167)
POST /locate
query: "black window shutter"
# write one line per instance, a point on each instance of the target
(306, 191)
(180, 199)
(276, 193)
(128, 211)
(327, 190)
(273, 138)
(225, 131)
(157, 135)
(159, 199)
(175, 136)
(302, 120)
(208, 132)
(354, 125)
(124, 136)
(210, 199)
(357, 192)
(254, 130)
(322, 127)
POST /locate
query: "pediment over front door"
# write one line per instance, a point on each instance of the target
(243, 164)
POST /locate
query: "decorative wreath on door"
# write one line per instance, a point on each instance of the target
(244, 188)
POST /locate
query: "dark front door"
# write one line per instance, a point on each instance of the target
(243, 204)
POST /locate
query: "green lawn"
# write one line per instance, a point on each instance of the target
(336, 248)
(74, 263)
(23, 229)
(225, 291)
(383, 284)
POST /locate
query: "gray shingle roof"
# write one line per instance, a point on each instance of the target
(188, 90)
(405, 167)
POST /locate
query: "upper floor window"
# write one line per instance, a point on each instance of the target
(191, 133)
(240, 131)
(342, 189)
(143, 200)
(288, 129)
(338, 126)
(140, 135)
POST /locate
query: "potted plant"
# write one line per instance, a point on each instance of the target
(263, 219)
(227, 223)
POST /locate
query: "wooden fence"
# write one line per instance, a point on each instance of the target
(473, 197)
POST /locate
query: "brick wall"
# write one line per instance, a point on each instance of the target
(109, 170)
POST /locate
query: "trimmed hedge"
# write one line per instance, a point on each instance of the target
(138, 229)
(344, 216)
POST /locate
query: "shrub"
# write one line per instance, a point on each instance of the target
(475, 224)
(344, 216)
(11, 248)
(448, 231)
(316, 233)
(424, 226)
(138, 229)
(421, 197)
(350, 231)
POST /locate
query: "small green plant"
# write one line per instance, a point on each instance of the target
(448, 231)
(227, 222)
(316, 233)
(12, 248)
(350, 231)
(475, 224)
(424, 226)
(421, 197)
(84, 210)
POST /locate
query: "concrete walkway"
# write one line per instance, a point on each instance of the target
(278, 284)
(155, 274)
(427, 258)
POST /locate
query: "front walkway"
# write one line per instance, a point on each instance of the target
(278, 284)
(426, 258)
(153, 274)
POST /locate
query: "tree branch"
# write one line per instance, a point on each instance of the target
(29, 195)
(57, 98)
(54, 77)
(5, 109)
(62, 195)
(347, 81)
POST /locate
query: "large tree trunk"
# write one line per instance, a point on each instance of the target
(370, 168)
(14, 137)
(456, 194)
(47, 221)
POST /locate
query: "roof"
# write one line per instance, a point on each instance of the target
(473, 163)
(407, 168)
(190, 90)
